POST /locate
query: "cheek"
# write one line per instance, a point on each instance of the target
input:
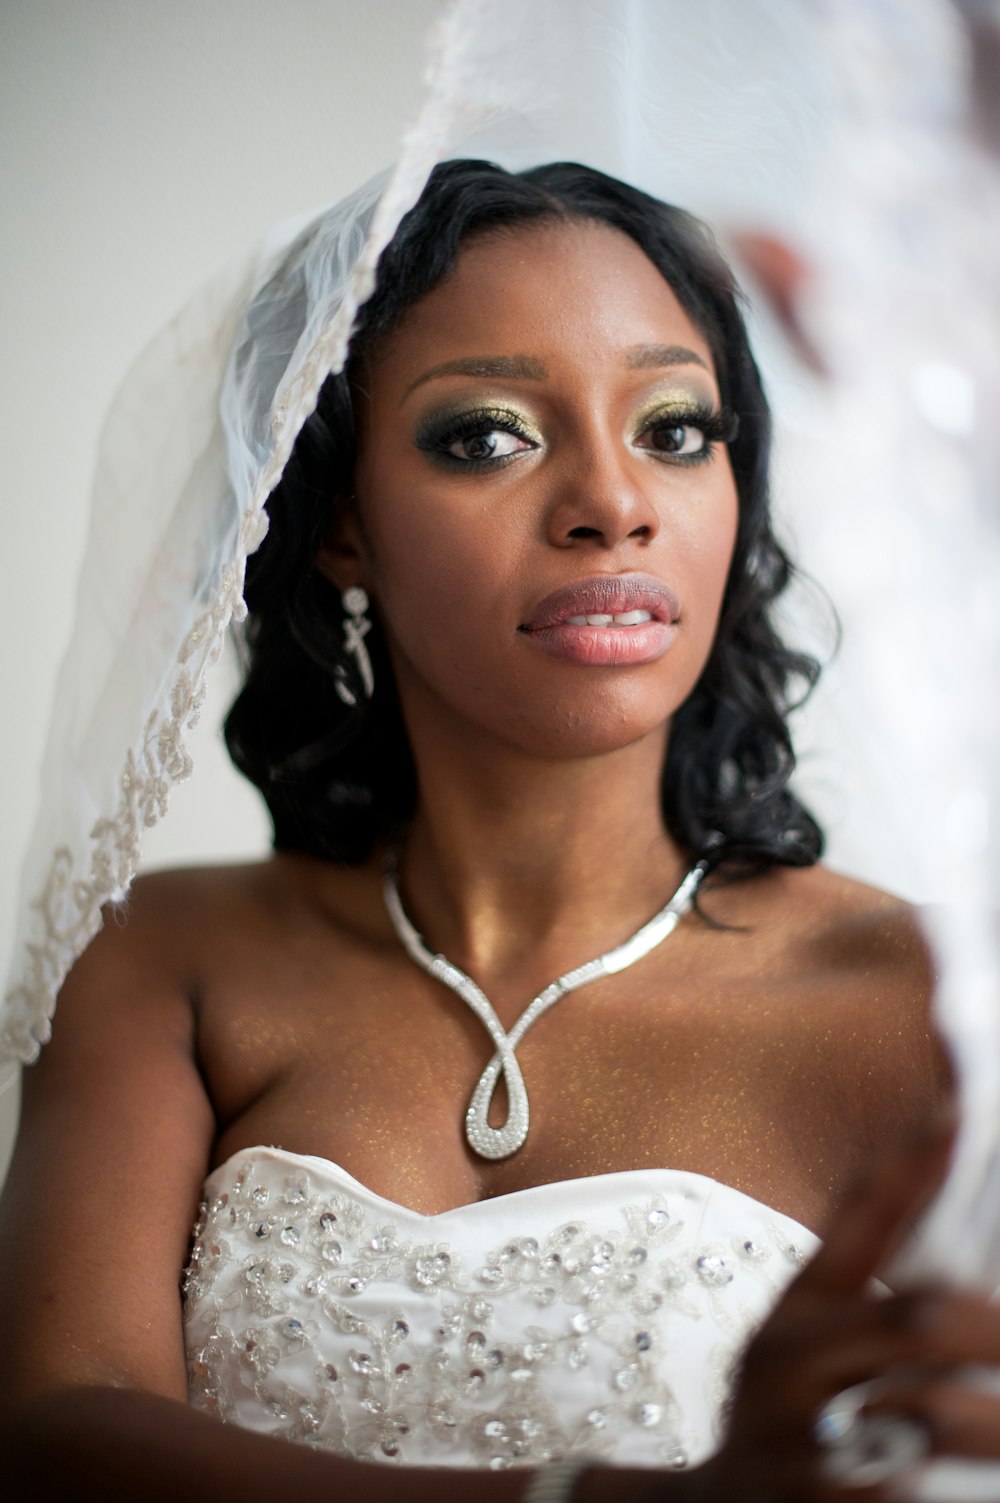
(435, 566)
(708, 540)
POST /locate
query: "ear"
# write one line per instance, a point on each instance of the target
(343, 556)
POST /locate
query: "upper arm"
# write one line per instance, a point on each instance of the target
(903, 1064)
(116, 1132)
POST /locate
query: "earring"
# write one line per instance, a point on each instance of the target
(356, 627)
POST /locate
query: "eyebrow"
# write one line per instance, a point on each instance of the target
(644, 357)
(640, 357)
(489, 367)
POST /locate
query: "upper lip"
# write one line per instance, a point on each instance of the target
(605, 595)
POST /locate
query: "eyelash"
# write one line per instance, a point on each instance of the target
(436, 436)
(717, 425)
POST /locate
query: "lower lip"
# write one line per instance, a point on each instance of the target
(606, 646)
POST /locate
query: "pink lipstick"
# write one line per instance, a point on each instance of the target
(606, 621)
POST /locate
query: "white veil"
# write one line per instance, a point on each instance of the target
(859, 132)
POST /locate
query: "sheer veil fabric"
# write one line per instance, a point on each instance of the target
(860, 134)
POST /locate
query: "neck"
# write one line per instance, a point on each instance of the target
(517, 867)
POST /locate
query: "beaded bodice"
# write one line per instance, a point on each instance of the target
(596, 1315)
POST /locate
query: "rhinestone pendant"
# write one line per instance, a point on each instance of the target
(500, 1142)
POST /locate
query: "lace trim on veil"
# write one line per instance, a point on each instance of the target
(65, 914)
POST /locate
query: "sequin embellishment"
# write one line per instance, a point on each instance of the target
(312, 1315)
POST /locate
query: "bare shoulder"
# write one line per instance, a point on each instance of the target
(858, 976)
(190, 918)
(121, 1113)
(816, 917)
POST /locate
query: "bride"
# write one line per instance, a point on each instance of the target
(516, 703)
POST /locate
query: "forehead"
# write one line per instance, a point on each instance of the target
(557, 290)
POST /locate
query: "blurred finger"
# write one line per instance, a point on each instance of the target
(781, 274)
(808, 1354)
(878, 1214)
(959, 1420)
(936, 1330)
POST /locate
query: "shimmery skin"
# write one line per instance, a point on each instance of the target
(700, 1058)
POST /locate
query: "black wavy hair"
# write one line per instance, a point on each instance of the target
(338, 779)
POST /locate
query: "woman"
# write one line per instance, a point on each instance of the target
(545, 469)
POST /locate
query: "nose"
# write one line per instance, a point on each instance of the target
(602, 503)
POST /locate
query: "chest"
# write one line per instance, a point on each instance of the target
(655, 1068)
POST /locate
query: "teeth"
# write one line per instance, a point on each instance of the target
(626, 618)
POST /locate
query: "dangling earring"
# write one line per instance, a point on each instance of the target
(356, 627)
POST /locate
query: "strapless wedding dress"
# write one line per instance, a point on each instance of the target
(598, 1316)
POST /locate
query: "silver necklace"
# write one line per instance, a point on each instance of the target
(498, 1142)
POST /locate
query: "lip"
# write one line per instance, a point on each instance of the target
(606, 594)
(548, 627)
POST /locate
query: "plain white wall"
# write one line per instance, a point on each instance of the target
(142, 146)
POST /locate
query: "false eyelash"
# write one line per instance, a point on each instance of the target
(716, 425)
(438, 433)
(719, 425)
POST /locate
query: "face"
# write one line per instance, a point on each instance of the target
(546, 507)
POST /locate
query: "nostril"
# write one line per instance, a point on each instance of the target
(583, 532)
(641, 532)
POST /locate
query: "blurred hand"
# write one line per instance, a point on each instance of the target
(780, 273)
(830, 1332)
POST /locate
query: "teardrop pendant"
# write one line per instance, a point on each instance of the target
(500, 1142)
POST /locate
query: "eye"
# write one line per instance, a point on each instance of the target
(494, 443)
(676, 438)
(477, 438)
(686, 435)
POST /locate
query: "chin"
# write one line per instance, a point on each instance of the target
(597, 727)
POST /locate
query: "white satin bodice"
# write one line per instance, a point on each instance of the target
(600, 1315)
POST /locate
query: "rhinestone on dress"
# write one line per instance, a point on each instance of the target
(714, 1270)
(598, 1369)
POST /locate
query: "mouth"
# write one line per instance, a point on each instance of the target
(606, 601)
(607, 620)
